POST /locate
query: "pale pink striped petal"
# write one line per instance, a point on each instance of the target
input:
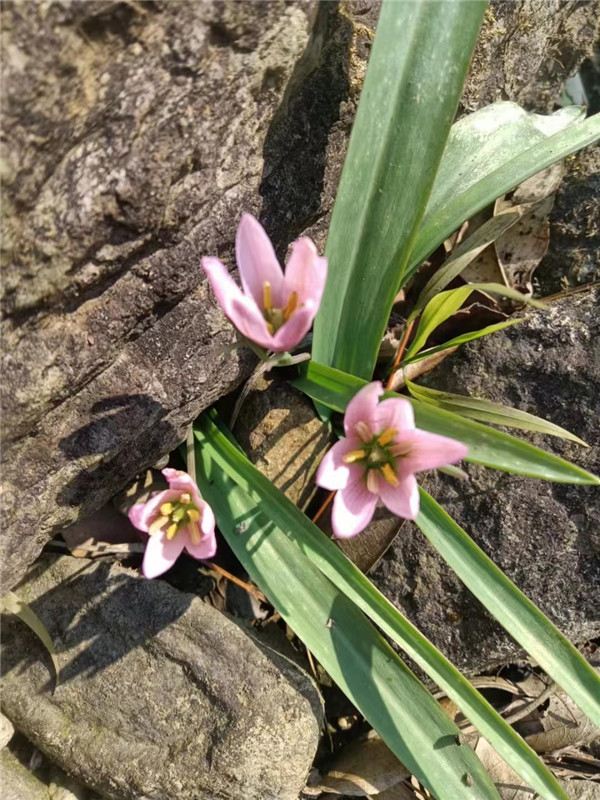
(428, 451)
(242, 311)
(161, 553)
(353, 509)
(257, 262)
(207, 546)
(295, 329)
(141, 515)
(397, 413)
(333, 473)
(403, 499)
(363, 408)
(306, 272)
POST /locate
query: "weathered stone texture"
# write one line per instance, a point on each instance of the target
(134, 137)
(160, 695)
(544, 536)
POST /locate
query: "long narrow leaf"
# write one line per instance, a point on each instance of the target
(447, 303)
(462, 339)
(334, 629)
(437, 310)
(462, 256)
(521, 618)
(12, 602)
(486, 411)
(348, 578)
(461, 191)
(487, 446)
(406, 108)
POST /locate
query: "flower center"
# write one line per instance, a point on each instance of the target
(275, 317)
(378, 455)
(177, 514)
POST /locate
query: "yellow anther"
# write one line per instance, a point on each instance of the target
(364, 431)
(354, 455)
(185, 498)
(171, 530)
(267, 303)
(193, 514)
(166, 509)
(195, 535)
(270, 328)
(386, 436)
(388, 473)
(291, 305)
(373, 481)
(158, 523)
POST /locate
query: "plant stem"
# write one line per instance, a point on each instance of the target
(400, 353)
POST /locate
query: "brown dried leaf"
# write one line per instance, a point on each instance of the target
(561, 725)
(523, 246)
(364, 768)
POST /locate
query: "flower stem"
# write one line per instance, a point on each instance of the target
(323, 508)
(400, 353)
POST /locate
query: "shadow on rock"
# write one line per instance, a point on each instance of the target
(112, 442)
(94, 617)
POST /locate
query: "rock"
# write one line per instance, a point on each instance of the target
(527, 49)
(283, 437)
(27, 775)
(160, 695)
(544, 536)
(572, 257)
(6, 731)
(18, 782)
(123, 167)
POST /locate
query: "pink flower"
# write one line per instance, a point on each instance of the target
(175, 518)
(274, 310)
(378, 459)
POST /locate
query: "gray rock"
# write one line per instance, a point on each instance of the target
(544, 536)
(6, 731)
(160, 695)
(283, 437)
(18, 782)
(136, 135)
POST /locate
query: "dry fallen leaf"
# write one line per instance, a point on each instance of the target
(561, 725)
(364, 768)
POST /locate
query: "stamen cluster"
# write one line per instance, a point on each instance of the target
(378, 456)
(177, 514)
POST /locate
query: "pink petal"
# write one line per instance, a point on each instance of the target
(161, 553)
(396, 412)
(241, 310)
(207, 522)
(306, 272)
(363, 408)
(353, 509)
(141, 515)
(333, 473)
(181, 481)
(207, 546)
(428, 451)
(257, 262)
(403, 499)
(295, 329)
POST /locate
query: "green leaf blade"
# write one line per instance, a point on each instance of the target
(487, 446)
(411, 91)
(486, 411)
(345, 575)
(505, 157)
(352, 652)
